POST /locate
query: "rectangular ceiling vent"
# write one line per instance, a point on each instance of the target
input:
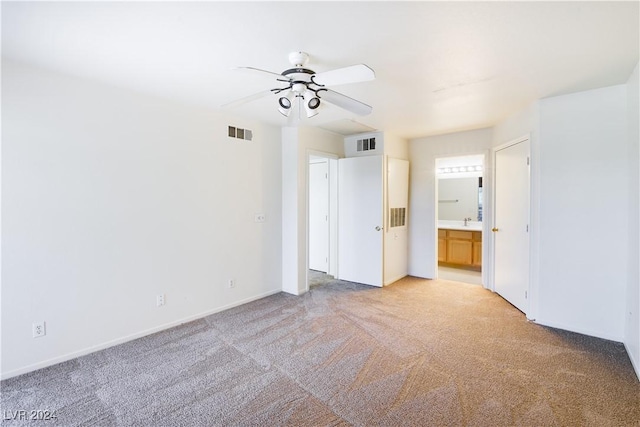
(239, 133)
(366, 144)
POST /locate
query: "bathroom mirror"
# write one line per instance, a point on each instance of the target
(460, 198)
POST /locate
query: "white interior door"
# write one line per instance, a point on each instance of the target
(511, 224)
(319, 216)
(396, 236)
(360, 220)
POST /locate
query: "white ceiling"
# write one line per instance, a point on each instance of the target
(440, 66)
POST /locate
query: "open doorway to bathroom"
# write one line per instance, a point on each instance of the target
(459, 217)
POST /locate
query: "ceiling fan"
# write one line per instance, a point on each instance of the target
(300, 86)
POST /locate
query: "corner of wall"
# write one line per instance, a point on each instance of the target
(396, 147)
(296, 144)
(632, 309)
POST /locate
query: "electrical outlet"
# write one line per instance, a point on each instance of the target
(231, 283)
(160, 300)
(38, 329)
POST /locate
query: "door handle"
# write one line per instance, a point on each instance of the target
(378, 228)
(494, 229)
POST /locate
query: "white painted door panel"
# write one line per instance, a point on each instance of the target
(396, 248)
(511, 224)
(318, 216)
(360, 220)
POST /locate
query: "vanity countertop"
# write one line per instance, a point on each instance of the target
(459, 225)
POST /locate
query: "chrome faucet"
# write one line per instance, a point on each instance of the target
(466, 220)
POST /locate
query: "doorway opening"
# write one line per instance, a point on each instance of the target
(322, 224)
(459, 217)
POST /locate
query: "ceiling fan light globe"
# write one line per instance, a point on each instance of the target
(313, 103)
(285, 103)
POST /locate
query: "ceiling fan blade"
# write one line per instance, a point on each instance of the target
(263, 72)
(343, 101)
(246, 99)
(341, 76)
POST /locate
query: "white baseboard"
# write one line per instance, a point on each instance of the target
(395, 279)
(111, 343)
(582, 331)
(419, 274)
(634, 362)
(615, 338)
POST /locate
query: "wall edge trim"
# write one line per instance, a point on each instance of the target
(569, 328)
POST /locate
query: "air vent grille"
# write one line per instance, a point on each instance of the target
(240, 133)
(397, 217)
(366, 144)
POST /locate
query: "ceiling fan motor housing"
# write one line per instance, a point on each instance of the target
(299, 87)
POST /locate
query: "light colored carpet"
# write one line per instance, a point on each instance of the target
(318, 278)
(416, 353)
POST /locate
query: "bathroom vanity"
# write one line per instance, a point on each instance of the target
(459, 244)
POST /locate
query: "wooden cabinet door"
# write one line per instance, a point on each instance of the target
(477, 254)
(460, 251)
(442, 250)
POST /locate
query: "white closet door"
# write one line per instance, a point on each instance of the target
(360, 220)
(318, 216)
(511, 224)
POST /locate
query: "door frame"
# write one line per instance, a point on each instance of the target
(319, 186)
(332, 162)
(531, 289)
(487, 206)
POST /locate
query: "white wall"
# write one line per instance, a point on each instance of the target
(110, 198)
(584, 189)
(584, 178)
(297, 145)
(518, 124)
(422, 193)
(578, 198)
(396, 147)
(632, 327)
(292, 218)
